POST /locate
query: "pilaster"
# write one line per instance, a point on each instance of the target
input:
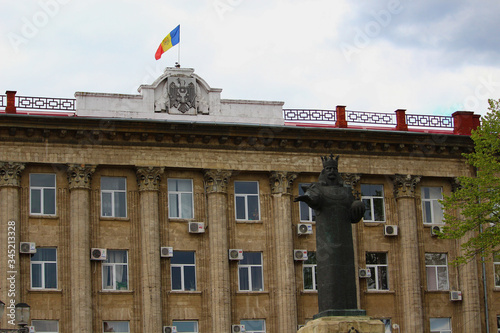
(148, 180)
(284, 270)
(411, 294)
(79, 178)
(220, 298)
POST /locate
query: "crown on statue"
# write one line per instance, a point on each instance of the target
(330, 161)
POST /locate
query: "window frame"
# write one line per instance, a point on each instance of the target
(496, 269)
(174, 322)
(113, 267)
(43, 269)
(42, 198)
(263, 321)
(116, 321)
(371, 200)
(179, 195)
(428, 267)
(376, 273)
(114, 213)
(311, 215)
(313, 266)
(249, 275)
(35, 321)
(246, 197)
(431, 202)
(183, 267)
(438, 330)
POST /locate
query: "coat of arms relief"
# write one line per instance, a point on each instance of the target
(180, 95)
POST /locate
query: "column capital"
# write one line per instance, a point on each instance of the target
(404, 185)
(455, 184)
(281, 182)
(79, 176)
(216, 180)
(148, 178)
(10, 173)
(352, 180)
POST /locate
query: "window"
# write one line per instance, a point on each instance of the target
(498, 324)
(45, 326)
(180, 198)
(432, 211)
(307, 214)
(183, 271)
(114, 196)
(42, 194)
(440, 325)
(186, 326)
(254, 326)
(377, 263)
(373, 198)
(44, 269)
(309, 271)
(437, 271)
(115, 270)
(247, 200)
(496, 267)
(250, 272)
(116, 326)
(387, 324)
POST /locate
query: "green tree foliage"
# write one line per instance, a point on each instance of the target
(478, 198)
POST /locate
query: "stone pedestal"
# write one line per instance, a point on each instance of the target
(344, 324)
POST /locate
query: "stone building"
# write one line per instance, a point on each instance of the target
(174, 207)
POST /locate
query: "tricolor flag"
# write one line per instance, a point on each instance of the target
(172, 39)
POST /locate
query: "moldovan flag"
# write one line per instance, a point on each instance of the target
(172, 39)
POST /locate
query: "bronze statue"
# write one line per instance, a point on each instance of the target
(335, 209)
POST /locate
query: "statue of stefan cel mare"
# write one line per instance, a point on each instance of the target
(335, 208)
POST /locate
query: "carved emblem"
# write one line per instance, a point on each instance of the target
(181, 95)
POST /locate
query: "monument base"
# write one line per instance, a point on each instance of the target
(344, 324)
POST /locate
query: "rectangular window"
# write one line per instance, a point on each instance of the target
(307, 214)
(387, 324)
(186, 326)
(432, 211)
(246, 196)
(115, 270)
(45, 326)
(44, 269)
(377, 263)
(254, 326)
(309, 271)
(250, 272)
(113, 196)
(373, 198)
(498, 324)
(183, 271)
(496, 268)
(180, 198)
(42, 194)
(440, 325)
(436, 266)
(116, 326)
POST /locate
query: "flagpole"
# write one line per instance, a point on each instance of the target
(179, 55)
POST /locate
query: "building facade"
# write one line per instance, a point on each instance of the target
(175, 207)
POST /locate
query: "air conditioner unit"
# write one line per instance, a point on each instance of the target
(365, 273)
(27, 247)
(304, 229)
(98, 254)
(436, 230)
(300, 255)
(390, 230)
(235, 254)
(455, 295)
(238, 328)
(196, 227)
(169, 329)
(166, 252)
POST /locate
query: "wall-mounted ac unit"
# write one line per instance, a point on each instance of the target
(235, 254)
(27, 247)
(169, 329)
(304, 229)
(166, 252)
(455, 295)
(365, 273)
(196, 227)
(98, 254)
(300, 255)
(238, 328)
(390, 230)
(436, 230)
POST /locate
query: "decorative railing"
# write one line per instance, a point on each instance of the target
(39, 103)
(309, 115)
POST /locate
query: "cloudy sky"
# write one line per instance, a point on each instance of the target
(426, 56)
